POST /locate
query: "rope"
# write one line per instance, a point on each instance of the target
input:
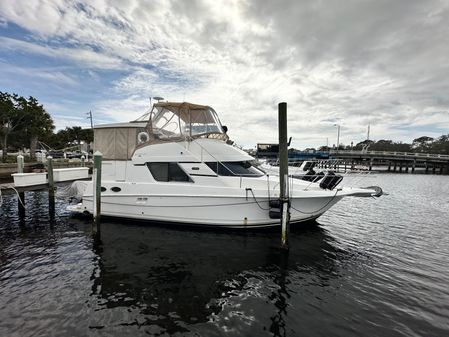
(18, 196)
(254, 197)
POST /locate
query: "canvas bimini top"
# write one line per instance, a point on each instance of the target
(166, 122)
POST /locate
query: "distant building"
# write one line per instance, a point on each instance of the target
(265, 150)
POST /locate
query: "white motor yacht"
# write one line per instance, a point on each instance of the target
(176, 164)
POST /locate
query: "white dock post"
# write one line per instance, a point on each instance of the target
(97, 192)
(20, 164)
(283, 173)
(83, 161)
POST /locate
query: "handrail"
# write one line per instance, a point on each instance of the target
(394, 153)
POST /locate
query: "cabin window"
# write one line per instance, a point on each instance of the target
(234, 168)
(168, 172)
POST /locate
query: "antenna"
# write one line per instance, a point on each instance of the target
(158, 99)
(367, 136)
(89, 116)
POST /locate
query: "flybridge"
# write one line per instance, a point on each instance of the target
(166, 122)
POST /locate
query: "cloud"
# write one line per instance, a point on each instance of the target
(83, 56)
(356, 62)
(51, 75)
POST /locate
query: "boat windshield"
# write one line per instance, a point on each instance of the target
(238, 168)
(184, 120)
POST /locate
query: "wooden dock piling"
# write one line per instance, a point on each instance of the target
(51, 186)
(20, 195)
(50, 175)
(283, 173)
(96, 229)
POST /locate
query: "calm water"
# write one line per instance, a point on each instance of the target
(368, 267)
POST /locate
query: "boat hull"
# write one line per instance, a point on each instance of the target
(226, 212)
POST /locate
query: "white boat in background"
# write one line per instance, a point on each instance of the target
(298, 171)
(175, 164)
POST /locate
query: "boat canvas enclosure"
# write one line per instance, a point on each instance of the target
(118, 141)
(183, 121)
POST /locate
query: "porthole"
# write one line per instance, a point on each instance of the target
(103, 189)
(115, 189)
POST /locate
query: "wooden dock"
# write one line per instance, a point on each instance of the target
(394, 161)
(63, 177)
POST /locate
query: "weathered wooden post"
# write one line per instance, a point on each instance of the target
(51, 186)
(96, 180)
(21, 195)
(283, 173)
(83, 161)
(51, 181)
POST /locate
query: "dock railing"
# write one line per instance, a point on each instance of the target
(389, 153)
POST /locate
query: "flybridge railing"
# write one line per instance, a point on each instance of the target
(403, 154)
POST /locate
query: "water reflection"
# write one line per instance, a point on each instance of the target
(373, 268)
(280, 297)
(177, 278)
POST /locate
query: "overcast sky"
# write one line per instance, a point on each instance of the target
(351, 63)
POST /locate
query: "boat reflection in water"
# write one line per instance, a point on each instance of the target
(178, 280)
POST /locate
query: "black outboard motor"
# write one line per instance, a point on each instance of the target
(330, 181)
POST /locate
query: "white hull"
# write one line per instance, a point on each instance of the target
(223, 208)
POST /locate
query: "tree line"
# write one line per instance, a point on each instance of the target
(24, 123)
(424, 144)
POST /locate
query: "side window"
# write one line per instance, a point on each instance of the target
(234, 169)
(168, 172)
(175, 173)
(219, 169)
